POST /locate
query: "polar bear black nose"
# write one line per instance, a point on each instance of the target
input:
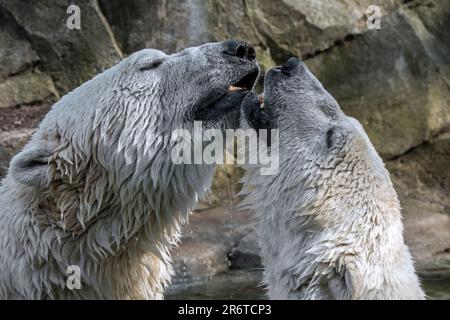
(239, 49)
(290, 66)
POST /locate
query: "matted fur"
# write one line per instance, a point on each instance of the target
(95, 187)
(330, 221)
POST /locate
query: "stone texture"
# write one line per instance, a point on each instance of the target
(168, 25)
(210, 240)
(422, 180)
(23, 117)
(225, 187)
(172, 25)
(196, 260)
(394, 80)
(26, 88)
(16, 53)
(302, 27)
(10, 143)
(245, 254)
(70, 57)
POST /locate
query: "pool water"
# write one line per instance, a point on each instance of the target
(244, 285)
(233, 285)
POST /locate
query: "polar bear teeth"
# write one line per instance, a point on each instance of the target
(234, 88)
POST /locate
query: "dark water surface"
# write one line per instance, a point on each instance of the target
(245, 285)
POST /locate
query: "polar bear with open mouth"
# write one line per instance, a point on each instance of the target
(330, 221)
(95, 189)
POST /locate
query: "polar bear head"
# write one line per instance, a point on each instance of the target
(114, 132)
(325, 155)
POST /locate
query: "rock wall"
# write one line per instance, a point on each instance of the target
(395, 80)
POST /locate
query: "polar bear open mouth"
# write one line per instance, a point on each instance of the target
(246, 83)
(225, 100)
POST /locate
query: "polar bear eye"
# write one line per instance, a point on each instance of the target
(330, 136)
(150, 65)
(335, 137)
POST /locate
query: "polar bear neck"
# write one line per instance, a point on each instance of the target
(122, 249)
(368, 255)
(322, 241)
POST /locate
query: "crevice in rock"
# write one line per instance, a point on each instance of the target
(410, 4)
(252, 21)
(417, 146)
(8, 17)
(108, 28)
(338, 43)
(35, 66)
(277, 53)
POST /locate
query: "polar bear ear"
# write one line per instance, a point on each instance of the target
(31, 166)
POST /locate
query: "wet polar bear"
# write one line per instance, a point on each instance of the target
(95, 187)
(330, 220)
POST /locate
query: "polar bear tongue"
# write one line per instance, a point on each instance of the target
(261, 98)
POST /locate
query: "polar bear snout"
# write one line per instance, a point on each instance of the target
(290, 67)
(239, 49)
(234, 71)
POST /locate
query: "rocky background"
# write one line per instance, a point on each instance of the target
(395, 80)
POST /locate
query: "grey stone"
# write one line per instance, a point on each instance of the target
(422, 180)
(207, 241)
(26, 88)
(168, 25)
(70, 57)
(10, 143)
(245, 255)
(16, 53)
(394, 80)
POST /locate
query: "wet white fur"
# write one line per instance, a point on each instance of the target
(330, 220)
(106, 196)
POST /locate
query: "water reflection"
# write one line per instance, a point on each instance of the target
(245, 285)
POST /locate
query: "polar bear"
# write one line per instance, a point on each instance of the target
(95, 195)
(330, 221)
